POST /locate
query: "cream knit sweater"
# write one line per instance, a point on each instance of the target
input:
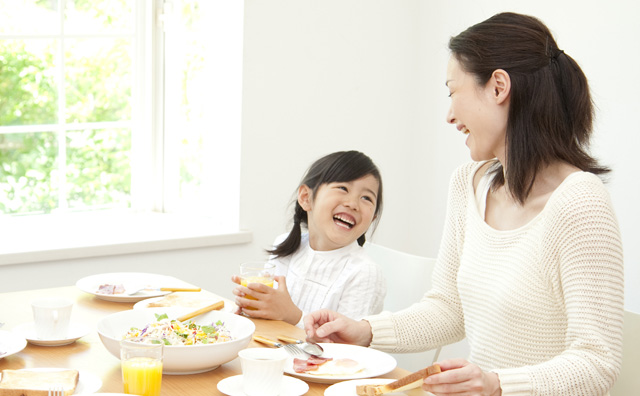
(541, 305)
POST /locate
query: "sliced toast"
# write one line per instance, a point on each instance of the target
(37, 383)
(410, 381)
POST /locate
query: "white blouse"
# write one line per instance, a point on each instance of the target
(345, 280)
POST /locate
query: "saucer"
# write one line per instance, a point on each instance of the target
(28, 331)
(232, 386)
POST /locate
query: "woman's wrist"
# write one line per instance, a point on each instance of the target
(494, 384)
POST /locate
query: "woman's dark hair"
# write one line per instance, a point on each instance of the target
(551, 112)
(341, 166)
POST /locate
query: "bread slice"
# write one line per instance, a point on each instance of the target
(410, 381)
(37, 383)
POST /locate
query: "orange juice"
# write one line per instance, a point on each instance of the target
(142, 376)
(256, 279)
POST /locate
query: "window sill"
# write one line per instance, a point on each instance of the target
(73, 236)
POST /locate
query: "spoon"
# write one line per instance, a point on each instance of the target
(311, 348)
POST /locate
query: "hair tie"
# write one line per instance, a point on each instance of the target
(554, 56)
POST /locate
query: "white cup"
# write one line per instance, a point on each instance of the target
(51, 317)
(262, 371)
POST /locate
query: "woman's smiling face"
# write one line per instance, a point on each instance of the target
(340, 212)
(476, 111)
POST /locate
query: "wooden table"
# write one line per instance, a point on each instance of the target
(89, 354)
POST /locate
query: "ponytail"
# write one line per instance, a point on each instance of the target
(292, 242)
(550, 111)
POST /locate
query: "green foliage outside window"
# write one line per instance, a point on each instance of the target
(27, 85)
(28, 176)
(95, 161)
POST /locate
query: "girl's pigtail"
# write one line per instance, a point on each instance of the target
(361, 240)
(292, 242)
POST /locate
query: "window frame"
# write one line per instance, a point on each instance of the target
(151, 201)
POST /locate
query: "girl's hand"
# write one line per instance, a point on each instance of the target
(459, 377)
(269, 303)
(330, 326)
(237, 280)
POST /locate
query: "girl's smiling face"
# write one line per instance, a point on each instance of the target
(480, 112)
(340, 212)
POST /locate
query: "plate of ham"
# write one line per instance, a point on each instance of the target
(112, 286)
(341, 362)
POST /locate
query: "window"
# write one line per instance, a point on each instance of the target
(120, 104)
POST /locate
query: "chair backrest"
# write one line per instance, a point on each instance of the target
(408, 276)
(629, 381)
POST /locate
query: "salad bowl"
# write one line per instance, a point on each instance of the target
(181, 359)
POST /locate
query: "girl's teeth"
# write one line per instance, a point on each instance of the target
(348, 223)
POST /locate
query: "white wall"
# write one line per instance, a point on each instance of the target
(369, 75)
(602, 37)
(328, 75)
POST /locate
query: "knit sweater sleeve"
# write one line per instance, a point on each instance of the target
(438, 318)
(584, 239)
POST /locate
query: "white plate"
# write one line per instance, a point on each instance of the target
(90, 284)
(375, 363)
(206, 299)
(348, 388)
(291, 386)
(10, 343)
(28, 331)
(87, 382)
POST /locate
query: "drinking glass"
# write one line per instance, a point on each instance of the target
(141, 367)
(257, 272)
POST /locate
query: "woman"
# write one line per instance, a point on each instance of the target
(530, 266)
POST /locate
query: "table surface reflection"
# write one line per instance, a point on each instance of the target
(89, 354)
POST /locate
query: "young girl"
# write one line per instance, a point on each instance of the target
(338, 200)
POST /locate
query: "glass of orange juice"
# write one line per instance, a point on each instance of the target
(141, 367)
(257, 272)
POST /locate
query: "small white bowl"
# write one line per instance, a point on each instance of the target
(179, 359)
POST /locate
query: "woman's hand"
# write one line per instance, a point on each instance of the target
(330, 326)
(460, 378)
(269, 303)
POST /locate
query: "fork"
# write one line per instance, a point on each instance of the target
(56, 391)
(292, 349)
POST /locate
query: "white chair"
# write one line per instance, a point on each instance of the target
(629, 381)
(408, 277)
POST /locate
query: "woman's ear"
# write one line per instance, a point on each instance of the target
(500, 85)
(304, 197)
